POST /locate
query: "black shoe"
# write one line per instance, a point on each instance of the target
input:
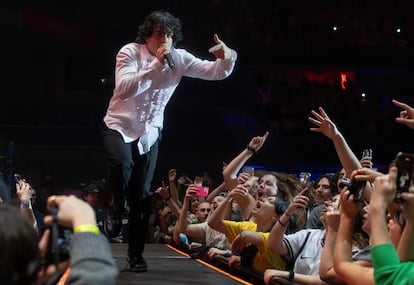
(113, 225)
(137, 264)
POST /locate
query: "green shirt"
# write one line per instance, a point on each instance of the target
(387, 266)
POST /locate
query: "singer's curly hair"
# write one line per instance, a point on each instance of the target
(168, 24)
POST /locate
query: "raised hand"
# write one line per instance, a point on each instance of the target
(299, 201)
(258, 141)
(220, 50)
(172, 174)
(163, 190)
(406, 115)
(324, 124)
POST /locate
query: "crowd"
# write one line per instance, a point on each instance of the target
(353, 226)
(271, 224)
(287, 230)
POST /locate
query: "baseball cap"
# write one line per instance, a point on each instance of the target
(92, 188)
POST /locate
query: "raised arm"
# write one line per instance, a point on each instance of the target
(349, 271)
(325, 125)
(347, 157)
(215, 221)
(406, 115)
(172, 174)
(183, 226)
(24, 193)
(275, 241)
(326, 270)
(164, 192)
(382, 197)
(220, 50)
(406, 244)
(231, 170)
(216, 191)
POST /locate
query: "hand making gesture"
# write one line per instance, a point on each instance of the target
(220, 50)
(406, 115)
(323, 123)
(258, 141)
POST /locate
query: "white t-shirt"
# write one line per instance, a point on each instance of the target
(309, 258)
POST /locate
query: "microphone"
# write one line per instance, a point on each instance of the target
(170, 60)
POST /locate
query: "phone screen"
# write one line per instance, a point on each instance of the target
(202, 191)
(248, 170)
(18, 179)
(404, 163)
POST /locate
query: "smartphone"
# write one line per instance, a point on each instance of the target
(202, 191)
(310, 193)
(404, 162)
(18, 179)
(355, 187)
(304, 177)
(248, 170)
(367, 152)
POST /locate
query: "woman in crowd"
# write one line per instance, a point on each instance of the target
(263, 217)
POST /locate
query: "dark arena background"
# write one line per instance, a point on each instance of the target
(350, 57)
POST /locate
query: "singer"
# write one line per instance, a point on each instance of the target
(146, 74)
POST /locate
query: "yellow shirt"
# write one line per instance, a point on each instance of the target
(264, 258)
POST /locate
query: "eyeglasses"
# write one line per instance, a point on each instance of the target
(205, 210)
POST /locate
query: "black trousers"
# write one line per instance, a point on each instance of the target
(129, 179)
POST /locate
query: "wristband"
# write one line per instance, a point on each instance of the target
(25, 204)
(227, 253)
(88, 228)
(252, 149)
(282, 224)
(291, 275)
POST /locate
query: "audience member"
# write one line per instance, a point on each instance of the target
(39, 216)
(24, 194)
(231, 171)
(391, 266)
(91, 195)
(302, 249)
(325, 188)
(358, 258)
(263, 217)
(262, 184)
(346, 156)
(91, 260)
(201, 231)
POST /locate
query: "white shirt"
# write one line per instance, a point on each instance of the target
(212, 237)
(309, 258)
(144, 86)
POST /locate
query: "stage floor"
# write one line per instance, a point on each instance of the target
(166, 265)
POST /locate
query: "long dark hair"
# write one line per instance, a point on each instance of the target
(19, 254)
(332, 179)
(168, 24)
